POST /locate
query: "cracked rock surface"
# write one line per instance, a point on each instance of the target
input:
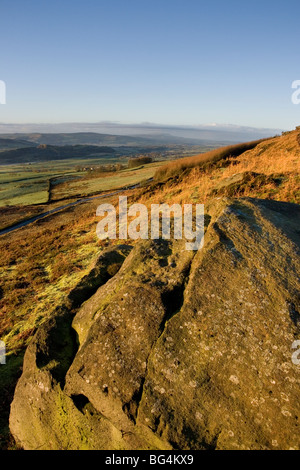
(175, 349)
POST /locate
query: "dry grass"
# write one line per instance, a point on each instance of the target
(278, 157)
(39, 265)
(204, 160)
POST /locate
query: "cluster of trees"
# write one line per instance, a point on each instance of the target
(112, 167)
(138, 161)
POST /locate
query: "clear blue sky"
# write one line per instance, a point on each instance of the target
(162, 61)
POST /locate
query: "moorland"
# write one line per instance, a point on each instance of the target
(46, 263)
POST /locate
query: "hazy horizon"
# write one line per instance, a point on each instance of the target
(188, 133)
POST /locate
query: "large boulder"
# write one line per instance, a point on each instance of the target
(178, 349)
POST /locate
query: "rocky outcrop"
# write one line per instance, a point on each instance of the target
(176, 349)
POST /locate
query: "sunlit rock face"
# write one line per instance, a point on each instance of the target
(175, 349)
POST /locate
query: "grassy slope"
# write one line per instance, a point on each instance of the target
(204, 159)
(40, 262)
(271, 170)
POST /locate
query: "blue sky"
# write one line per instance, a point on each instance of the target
(168, 61)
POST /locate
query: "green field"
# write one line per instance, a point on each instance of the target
(29, 184)
(22, 185)
(33, 184)
(22, 188)
(93, 184)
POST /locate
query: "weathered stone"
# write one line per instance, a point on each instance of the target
(178, 350)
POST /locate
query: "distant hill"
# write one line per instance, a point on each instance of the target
(115, 133)
(8, 143)
(50, 152)
(87, 138)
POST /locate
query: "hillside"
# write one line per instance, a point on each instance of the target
(267, 169)
(145, 345)
(8, 144)
(50, 152)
